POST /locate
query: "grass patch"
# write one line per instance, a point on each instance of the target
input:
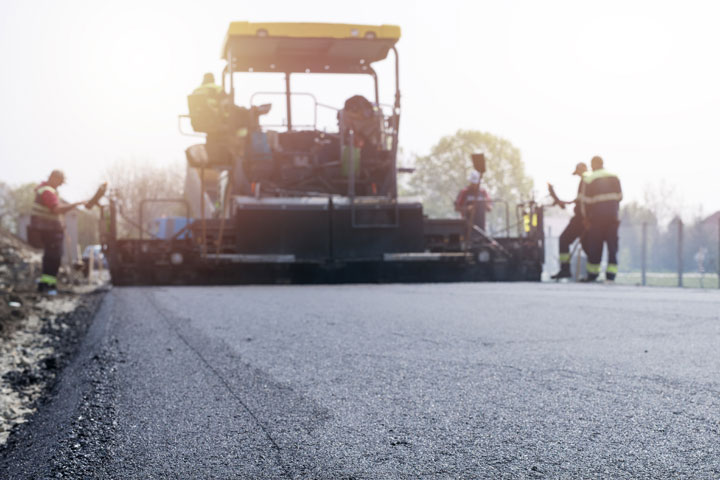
(653, 279)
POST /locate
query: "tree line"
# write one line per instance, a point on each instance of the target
(437, 179)
(16, 202)
(693, 245)
(441, 174)
(130, 182)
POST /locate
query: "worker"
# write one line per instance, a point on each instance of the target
(601, 195)
(574, 229)
(215, 103)
(473, 201)
(213, 111)
(361, 117)
(206, 106)
(213, 92)
(46, 222)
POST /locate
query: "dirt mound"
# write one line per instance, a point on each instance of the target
(30, 354)
(35, 330)
(19, 264)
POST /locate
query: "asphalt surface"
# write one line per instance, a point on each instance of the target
(387, 381)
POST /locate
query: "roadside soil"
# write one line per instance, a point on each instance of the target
(38, 333)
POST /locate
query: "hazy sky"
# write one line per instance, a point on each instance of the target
(84, 83)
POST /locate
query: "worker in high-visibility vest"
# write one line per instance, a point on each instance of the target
(207, 106)
(601, 195)
(212, 91)
(227, 125)
(212, 110)
(47, 227)
(574, 229)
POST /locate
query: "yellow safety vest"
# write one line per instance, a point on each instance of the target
(600, 193)
(213, 93)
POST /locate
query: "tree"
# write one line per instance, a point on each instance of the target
(440, 175)
(632, 217)
(664, 200)
(14, 203)
(87, 227)
(7, 207)
(131, 182)
(24, 196)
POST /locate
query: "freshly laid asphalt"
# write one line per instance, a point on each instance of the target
(387, 381)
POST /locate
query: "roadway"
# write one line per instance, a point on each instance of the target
(389, 381)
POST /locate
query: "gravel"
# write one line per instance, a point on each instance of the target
(37, 332)
(33, 354)
(49, 342)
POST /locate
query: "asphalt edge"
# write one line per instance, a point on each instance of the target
(38, 448)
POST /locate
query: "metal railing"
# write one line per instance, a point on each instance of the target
(680, 255)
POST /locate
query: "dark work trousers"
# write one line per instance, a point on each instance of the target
(572, 232)
(52, 241)
(480, 214)
(602, 231)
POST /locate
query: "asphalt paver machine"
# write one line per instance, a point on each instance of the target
(291, 202)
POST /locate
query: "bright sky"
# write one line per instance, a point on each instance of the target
(84, 83)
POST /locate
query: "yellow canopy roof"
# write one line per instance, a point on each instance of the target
(313, 47)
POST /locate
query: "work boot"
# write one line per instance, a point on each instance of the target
(592, 277)
(47, 288)
(563, 273)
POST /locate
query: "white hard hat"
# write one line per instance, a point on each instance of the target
(474, 177)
